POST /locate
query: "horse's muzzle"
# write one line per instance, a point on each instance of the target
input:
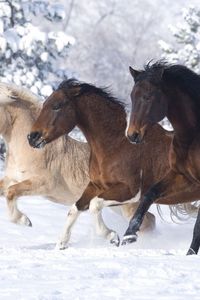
(135, 138)
(36, 140)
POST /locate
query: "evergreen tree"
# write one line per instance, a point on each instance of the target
(31, 56)
(187, 35)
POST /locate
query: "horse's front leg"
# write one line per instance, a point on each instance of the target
(171, 183)
(96, 206)
(195, 245)
(13, 192)
(81, 205)
(30, 186)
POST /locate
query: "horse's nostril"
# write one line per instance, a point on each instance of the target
(33, 136)
(134, 138)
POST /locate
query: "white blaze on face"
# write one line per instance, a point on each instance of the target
(128, 115)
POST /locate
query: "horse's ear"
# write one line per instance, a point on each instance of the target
(76, 91)
(134, 73)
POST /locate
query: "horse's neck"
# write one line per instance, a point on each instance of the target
(22, 119)
(75, 159)
(101, 124)
(183, 117)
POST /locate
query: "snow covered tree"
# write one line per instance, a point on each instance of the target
(186, 51)
(187, 35)
(31, 56)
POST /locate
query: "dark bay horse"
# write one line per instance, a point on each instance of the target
(119, 171)
(171, 91)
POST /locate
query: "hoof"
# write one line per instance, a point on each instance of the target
(24, 220)
(115, 240)
(191, 252)
(128, 239)
(61, 246)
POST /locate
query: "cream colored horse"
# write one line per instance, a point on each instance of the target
(59, 171)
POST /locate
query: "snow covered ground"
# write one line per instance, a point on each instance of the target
(154, 267)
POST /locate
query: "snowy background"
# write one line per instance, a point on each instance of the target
(41, 43)
(91, 268)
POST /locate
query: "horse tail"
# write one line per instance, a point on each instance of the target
(182, 211)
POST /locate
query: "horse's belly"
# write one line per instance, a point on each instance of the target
(64, 195)
(132, 199)
(118, 192)
(62, 198)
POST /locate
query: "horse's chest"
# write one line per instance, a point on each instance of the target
(14, 170)
(104, 171)
(187, 161)
(178, 157)
(176, 163)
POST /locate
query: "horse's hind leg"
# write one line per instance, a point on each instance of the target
(96, 206)
(194, 247)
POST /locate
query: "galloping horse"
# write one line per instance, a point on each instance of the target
(59, 172)
(119, 171)
(171, 91)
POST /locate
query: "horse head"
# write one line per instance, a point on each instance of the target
(57, 117)
(149, 104)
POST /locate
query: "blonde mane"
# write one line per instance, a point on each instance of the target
(11, 92)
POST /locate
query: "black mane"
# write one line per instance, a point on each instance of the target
(176, 75)
(86, 88)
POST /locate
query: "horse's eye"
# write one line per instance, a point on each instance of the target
(145, 98)
(56, 107)
(148, 98)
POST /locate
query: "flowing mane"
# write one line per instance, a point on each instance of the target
(171, 91)
(85, 88)
(176, 75)
(10, 93)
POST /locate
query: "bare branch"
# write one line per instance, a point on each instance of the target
(12, 12)
(105, 15)
(71, 6)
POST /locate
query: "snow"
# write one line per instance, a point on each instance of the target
(57, 11)
(25, 40)
(12, 39)
(91, 268)
(46, 90)
(186, 34)
(60, 39)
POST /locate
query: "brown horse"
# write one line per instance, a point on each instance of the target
(171, 91)
(59, 172)
(118, 170)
